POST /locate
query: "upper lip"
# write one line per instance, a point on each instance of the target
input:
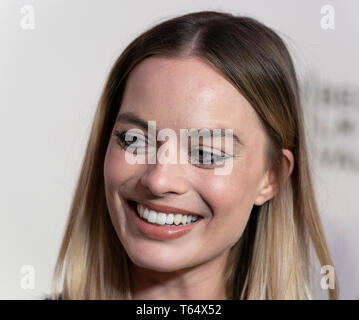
(166, 209)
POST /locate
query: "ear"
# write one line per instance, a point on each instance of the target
(269, 186)
(287, 163)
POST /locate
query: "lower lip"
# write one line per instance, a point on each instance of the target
(157, 232)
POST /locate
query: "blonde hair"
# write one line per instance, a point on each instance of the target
(271, 259)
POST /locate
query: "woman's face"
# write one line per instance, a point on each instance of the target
(184, 94)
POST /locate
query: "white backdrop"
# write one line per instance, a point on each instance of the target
(51, 77)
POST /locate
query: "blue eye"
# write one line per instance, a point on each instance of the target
(129, 140)
(208, 159)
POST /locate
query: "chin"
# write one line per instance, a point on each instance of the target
(159, 262)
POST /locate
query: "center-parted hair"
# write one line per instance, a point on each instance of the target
(271, 260)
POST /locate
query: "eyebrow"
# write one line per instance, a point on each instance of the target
(129, 117)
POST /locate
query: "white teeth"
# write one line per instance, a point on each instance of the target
(152, 216)
(145, 213)
(184, 219)
(170, 218)
(161, 218)
(177, 219)
(164, 218)
(140, 210)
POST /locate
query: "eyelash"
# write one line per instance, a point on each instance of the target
(123, 144)
(120, 136)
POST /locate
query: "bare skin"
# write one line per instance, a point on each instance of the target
(187, 93)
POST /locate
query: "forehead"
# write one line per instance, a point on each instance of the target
(184, 93)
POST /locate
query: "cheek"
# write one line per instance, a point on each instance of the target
(231, 200)
(116, 169)
(119, 176)
(229, 193)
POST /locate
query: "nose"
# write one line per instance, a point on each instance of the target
(165, 179)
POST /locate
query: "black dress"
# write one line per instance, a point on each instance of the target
(48, 297)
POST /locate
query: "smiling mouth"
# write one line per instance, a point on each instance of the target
(164, 219)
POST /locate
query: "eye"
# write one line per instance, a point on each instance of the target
(207, 159)
(127, 139)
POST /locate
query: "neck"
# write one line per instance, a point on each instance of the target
(201, 282)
